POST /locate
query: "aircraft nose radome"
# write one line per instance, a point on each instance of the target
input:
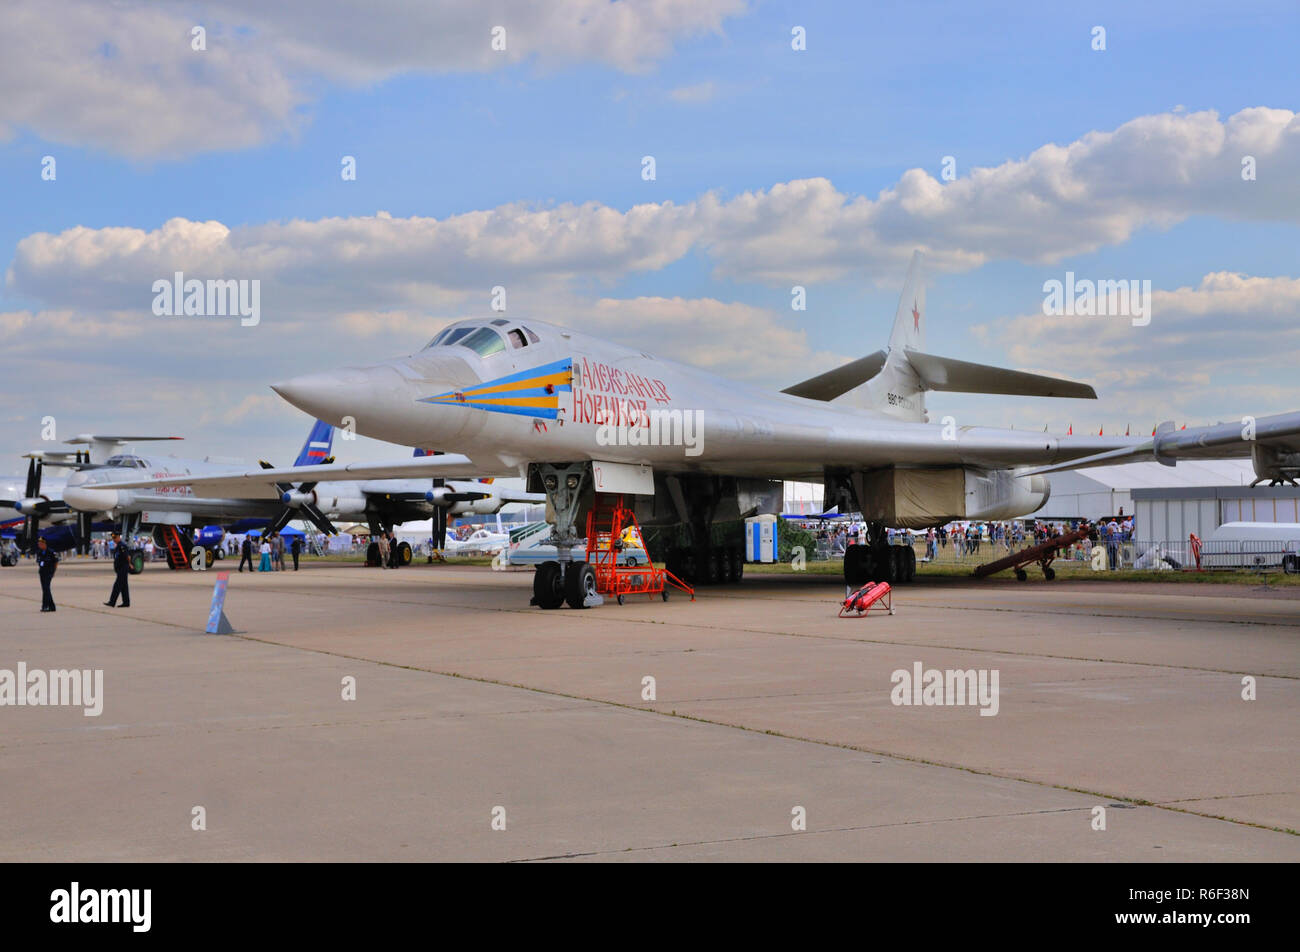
(83, 498)
(323, 395)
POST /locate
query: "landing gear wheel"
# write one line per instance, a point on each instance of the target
(1049, 573)
(1021, 575)
(857, 570)
(208, 558)
(579, 582)
(372, 554)
(136, 564)
(221, 554)
(404, 553)
(886, 565)
(909, 564)
(548, 586)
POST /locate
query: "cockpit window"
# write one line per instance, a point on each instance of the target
(448, 336)
(517, 338)
(531, 336)
(134, 462)
(485, 342)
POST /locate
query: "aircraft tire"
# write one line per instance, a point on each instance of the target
(372, 554)
(885, 565)
(717, 566)
(208, 558)
(579, 582)
(548, 586)
(857, 571)
(1021, 575)
(136, 564)
(1049, 573)
(736, 557)
(221, 554)
(404, 553)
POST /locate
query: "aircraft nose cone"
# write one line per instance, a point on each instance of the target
(84, 498)
(349, 396)
(319, 394)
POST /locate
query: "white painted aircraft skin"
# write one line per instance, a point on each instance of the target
(492, 408)
(101, 491)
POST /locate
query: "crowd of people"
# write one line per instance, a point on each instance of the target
(986, 540)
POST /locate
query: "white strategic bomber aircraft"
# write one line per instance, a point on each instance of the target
(577, 414)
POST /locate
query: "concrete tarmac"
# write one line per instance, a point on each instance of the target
(471, 706)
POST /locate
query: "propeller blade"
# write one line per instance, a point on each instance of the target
(30, 532)
(440, 527)
(33, 479)
(466, 497)
(84, 526)
(319, 519)
(280, 521)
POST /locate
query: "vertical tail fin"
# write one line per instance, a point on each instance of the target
(898, 389)
(319, 443)
(909, 320)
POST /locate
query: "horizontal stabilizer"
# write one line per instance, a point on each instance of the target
(97, 438)
(841, 380)
(961, 376)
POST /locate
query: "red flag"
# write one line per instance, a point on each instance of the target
(1070, 431)
(1102, 431)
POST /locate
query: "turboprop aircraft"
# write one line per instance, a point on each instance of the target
(157, 500)
(578, 415)
(37, 500)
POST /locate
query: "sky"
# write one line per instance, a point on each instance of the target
(138, 139)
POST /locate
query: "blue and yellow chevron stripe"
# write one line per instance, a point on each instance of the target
(534, 392)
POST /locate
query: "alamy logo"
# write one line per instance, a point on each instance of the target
(103, 905)
(930, 687)
(82, 688)
(634, 425)
(217, 297)
(1122, 298)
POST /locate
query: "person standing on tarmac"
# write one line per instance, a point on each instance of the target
(246, 554)
(46, 564)
(394, 552)
(121, 568)
(383, 550)
(296, 548)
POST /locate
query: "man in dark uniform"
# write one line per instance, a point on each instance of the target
(46, 563)
(246, 554)
(296, 548)
(394, 554)
(121, 568)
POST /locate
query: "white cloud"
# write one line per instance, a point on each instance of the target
(700, 92)
(1151, 172)
(123, 76)
(1231, 334)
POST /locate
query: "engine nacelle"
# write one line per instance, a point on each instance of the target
(1001, 495)
(1273, 465)
(296, 500)
(32, 505)
(352, 506)
(920, 498)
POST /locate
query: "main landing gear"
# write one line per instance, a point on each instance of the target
(878, 561)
